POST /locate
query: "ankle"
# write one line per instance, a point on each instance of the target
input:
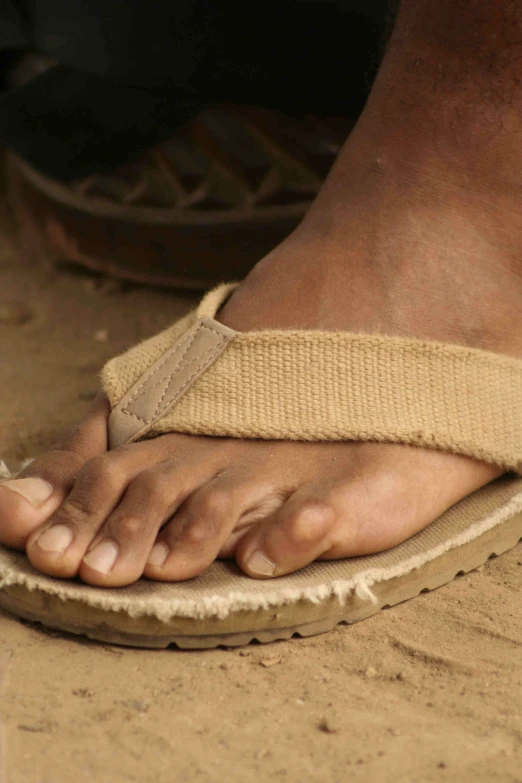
(392, 185)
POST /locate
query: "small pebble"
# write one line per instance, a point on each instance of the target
(139, 706)
(83, 692)
(14, 313)
(135, 704)
(35, 728)
(101, 336)
(328, 725)
(370, 672)
(267, 662)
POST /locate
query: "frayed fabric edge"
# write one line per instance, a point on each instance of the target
(220, 607)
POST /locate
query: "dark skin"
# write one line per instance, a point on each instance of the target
(417, 232)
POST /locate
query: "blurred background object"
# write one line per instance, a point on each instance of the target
(176, 144)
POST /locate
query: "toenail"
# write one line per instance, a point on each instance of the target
(260, 564)
(55, 539)
(35, 490)
(158, 554)
(102, 557)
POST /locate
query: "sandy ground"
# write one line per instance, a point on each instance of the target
(428, 691)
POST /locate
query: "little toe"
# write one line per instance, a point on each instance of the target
(301, 531)
(28, 500)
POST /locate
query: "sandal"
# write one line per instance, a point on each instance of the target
(197, 377)
(222, 192)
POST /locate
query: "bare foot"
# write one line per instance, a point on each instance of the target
(405, 239)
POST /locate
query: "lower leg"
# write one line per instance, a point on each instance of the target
(415, 233)
(422, 204)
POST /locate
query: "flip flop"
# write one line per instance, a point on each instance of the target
(201, 377)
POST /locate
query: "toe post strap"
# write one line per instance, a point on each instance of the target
(159, 389)
(200, 377)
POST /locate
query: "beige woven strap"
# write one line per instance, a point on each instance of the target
(318, 386)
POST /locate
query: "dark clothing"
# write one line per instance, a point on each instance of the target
(131, 71)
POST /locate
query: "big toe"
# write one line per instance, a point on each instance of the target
(31, 498)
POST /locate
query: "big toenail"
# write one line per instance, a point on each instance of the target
(158, 554)
(102, 557)
(55, 539)
(35, 490)
(260, 564)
